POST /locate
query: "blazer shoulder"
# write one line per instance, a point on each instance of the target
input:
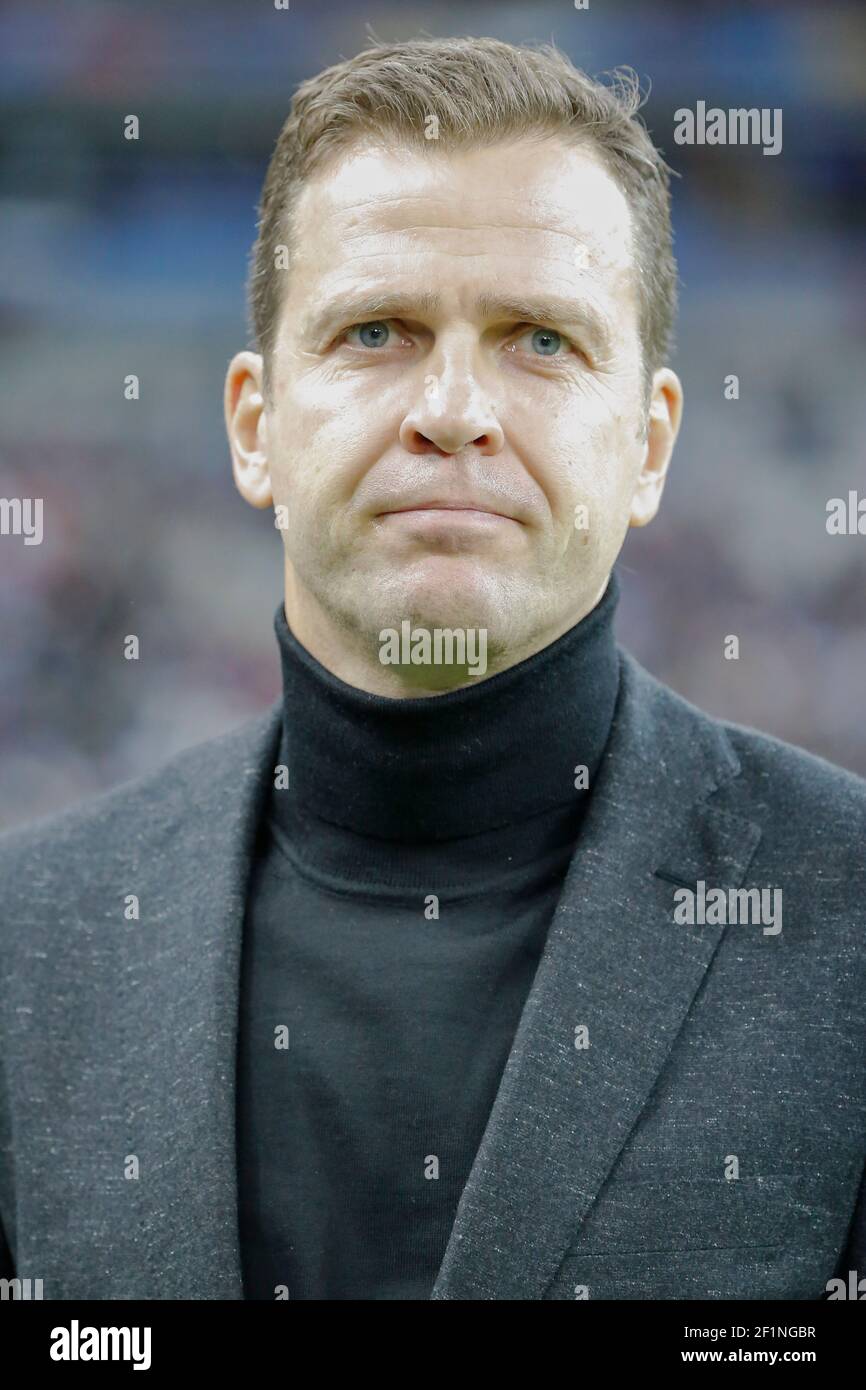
(788, 768)
(767, 775)
(144, 803)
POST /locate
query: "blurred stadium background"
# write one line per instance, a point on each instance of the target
(131, 257)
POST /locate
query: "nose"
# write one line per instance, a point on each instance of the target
(452, 409)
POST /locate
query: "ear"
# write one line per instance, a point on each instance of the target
(663, 425)
(247, 429)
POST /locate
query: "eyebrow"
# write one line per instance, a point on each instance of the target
(366, 307)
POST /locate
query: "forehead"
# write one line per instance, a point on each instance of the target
(537, 212)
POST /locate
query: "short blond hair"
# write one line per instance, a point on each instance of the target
(480, 91)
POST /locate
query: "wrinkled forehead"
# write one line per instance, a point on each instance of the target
(532, 206)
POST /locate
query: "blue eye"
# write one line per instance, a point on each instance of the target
(373, 334)
(546, 342)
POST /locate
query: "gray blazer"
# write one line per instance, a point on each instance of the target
(682, 1112)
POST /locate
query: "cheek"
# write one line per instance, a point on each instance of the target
(584, 456)
(576, 451)
(321, 447)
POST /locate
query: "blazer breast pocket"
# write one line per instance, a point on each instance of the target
(767, 1237)
(689, 1214)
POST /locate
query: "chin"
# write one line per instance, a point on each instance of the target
(463, 601)
(438, 592)
(460, 581)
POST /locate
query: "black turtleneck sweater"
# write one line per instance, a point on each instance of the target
(402, 888)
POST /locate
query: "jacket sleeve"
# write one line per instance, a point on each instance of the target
(854, 1254)
(7, 1270)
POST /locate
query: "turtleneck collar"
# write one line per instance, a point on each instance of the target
(438, 768)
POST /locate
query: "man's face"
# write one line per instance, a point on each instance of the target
(458, 425)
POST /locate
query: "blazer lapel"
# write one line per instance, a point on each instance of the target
(615, 964)
(181, 1012)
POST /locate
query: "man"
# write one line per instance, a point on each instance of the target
(482, 966)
